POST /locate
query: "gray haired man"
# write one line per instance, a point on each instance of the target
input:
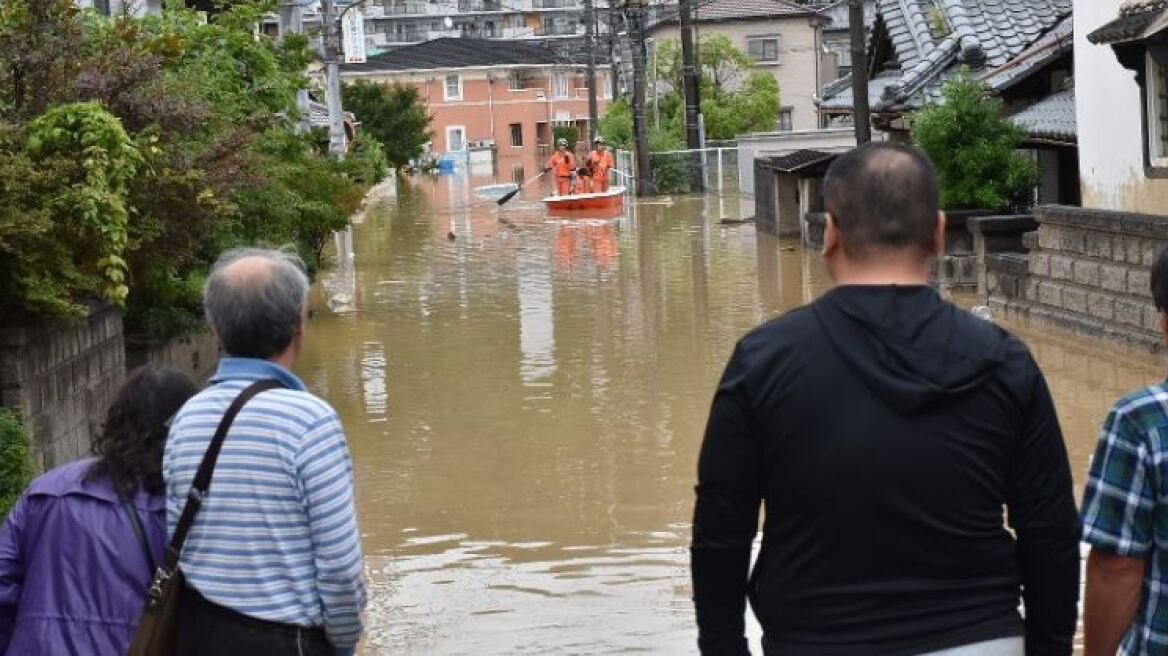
(273, 562)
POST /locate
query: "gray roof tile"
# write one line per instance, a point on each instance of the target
(1050, 118)
(982, 34)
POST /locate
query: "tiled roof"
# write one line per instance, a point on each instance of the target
(800, 160)
(1055, 44)
(318, 115)
(934, 38)
(1134, 21)
(1051, 118)
(459, 53)
(837, 96)
(730, 10)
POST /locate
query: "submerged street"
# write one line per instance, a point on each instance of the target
(525, 400)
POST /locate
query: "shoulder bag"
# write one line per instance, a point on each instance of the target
(157, 627)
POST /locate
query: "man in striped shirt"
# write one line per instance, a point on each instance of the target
(273, 562)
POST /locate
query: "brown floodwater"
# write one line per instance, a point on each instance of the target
(525, 402)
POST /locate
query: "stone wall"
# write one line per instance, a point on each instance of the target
(998, 234)
(957, 268)
(62, 376)
(1088, 270)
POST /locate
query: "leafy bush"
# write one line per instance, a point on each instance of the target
(64, 222)
(975, 150)
(568, 132)
(752, 106)
(16, 469)
(616, 126)
(672, 171)
(189, 132)
(393, 115)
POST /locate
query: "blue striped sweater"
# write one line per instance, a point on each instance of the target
(277, 536)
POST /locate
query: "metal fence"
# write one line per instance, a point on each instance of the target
(677, 171)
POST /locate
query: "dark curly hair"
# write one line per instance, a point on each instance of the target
(129, 448)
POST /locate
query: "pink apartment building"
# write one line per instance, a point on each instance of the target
(481, 92)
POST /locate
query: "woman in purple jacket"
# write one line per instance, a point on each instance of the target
(78, 550)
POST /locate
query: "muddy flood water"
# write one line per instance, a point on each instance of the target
(525, 403)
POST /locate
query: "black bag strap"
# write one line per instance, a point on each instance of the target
(140, 533)
(202, 480)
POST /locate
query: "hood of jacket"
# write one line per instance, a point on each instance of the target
(909, 347)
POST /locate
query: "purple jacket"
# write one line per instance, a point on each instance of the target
(73, 577)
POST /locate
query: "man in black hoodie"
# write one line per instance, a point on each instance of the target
(885, 429)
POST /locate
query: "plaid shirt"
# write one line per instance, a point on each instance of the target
(1120, 515)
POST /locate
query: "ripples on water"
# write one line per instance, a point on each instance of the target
(525, 404)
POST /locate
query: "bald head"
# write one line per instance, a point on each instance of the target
(883, 197)
(255, 299)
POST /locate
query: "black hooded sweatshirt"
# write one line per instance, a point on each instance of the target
(885, 429)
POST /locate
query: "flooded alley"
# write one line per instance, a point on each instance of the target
(525, 401)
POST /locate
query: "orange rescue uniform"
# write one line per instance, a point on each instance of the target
(562, 163)
(600, 162)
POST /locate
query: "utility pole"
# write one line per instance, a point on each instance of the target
(590, 74)
(861, 113)
(635, 10)
(692, 87)
(331, 36)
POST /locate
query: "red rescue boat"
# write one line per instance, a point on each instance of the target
(603, 201)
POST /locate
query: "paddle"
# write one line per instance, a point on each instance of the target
(511, 194)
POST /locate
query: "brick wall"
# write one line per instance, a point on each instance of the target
(62, 376)
(1088, 270)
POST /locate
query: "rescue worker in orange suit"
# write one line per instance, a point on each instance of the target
(599, 163)
(563, 163)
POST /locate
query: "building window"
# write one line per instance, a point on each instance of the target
(561, 85)
(786, 119)
(455, 139)
(453, 87)
(604, 85)
(515, 80)
(516, 135)
(1157, 113)
(763, 50)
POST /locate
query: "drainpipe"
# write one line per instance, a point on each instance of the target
(491, 105)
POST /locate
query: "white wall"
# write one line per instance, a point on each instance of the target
(1111, 158)
(800, 61)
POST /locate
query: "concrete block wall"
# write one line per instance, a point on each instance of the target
(196, 355)
(1089, 270)
(62, 376)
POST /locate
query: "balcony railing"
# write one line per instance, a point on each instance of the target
(555, 4)
(405, 8)
(560, 29)
(479, 5)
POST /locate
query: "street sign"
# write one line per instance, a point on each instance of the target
(353, 36)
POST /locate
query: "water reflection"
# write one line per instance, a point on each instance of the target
(525, 404)
(537, 330)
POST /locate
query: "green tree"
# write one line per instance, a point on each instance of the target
(64, 219)
(616, 126)
(567, 132)
(208, 108)
(15, 461)
(721, 63)
(974, 149)
(735, 99)
(393, 115)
